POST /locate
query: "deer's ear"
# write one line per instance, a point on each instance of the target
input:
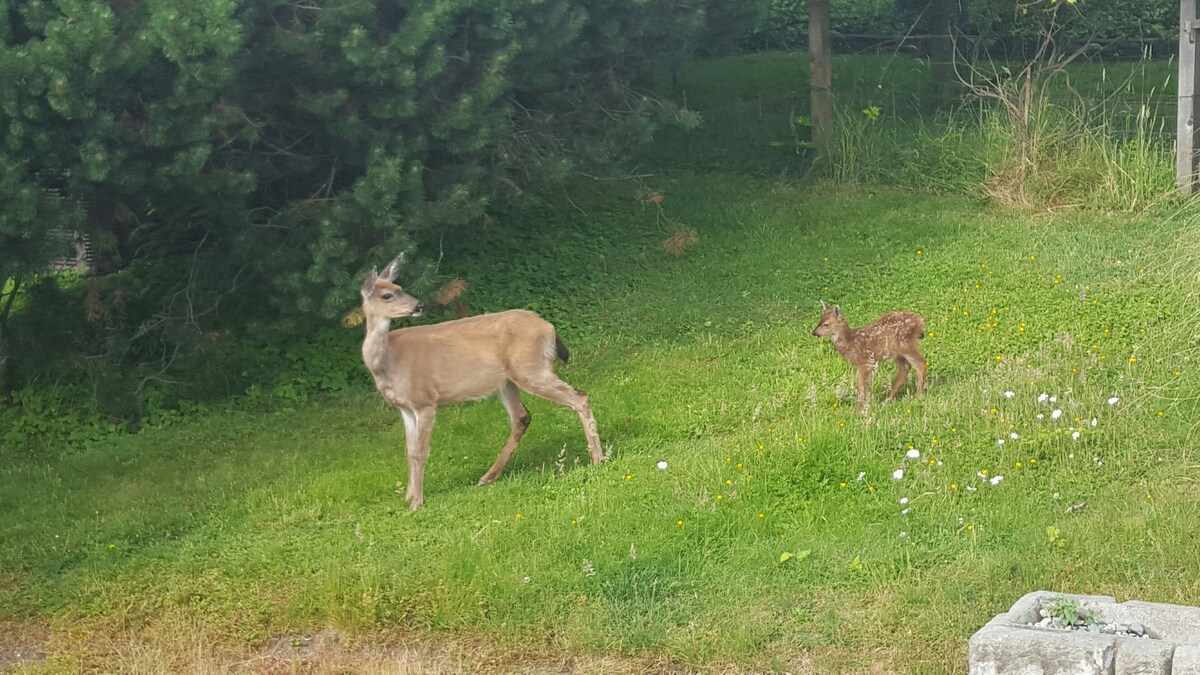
(824, 307)
(393, 268)
(368, 286)
(837, 310)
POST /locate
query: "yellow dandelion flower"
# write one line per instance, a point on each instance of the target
(954, 486)
(739, 465)
(799, 439)
(112, 547)
(908, 411)
(728, 460)
(999, 357)
(983, 266)
(679, 523)
(1033, 257)
(842, 486)
(841, 425)
(1178, 373)
(762, 515)
(1018, 465)
(920, 252)
(728, 482)
(719, 497)
(870, 488)
(1032, 461)
(970, 528)
(954, 430)
(574, 522)
(1160, 413)
(1102, 357)
(520, 515)
(983, 471)
(628, 476)
(760, 446)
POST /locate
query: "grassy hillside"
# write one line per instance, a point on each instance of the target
(778, 536)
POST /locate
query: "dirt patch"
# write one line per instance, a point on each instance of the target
(21, 646)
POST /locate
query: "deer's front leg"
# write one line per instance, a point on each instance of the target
(418, 428)
(864, 387)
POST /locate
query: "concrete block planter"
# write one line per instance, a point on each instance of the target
(1105, 637)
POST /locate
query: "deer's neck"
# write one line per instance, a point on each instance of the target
(843, 338)
(375, 345)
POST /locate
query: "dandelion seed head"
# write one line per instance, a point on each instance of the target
(662, 466)
(898, 474)
(913, 454)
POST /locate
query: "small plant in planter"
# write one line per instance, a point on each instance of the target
(1067, 613)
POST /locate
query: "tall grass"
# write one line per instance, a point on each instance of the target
(1069, 154)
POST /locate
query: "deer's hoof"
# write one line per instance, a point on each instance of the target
(416, 504)
(486, 480)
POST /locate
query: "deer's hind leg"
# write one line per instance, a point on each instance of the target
(548, 386)
(918, 362)
(901, 377)
(518, 420)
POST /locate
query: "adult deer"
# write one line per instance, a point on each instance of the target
(420, 368)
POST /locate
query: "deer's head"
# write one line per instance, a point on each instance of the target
(383, 297)
(832, 321)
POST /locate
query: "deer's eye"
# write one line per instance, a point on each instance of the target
(387, 296)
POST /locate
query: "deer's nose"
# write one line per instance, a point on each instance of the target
(420, 308)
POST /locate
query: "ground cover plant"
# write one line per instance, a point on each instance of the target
(747, 517)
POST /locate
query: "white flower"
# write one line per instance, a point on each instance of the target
(662, 466)
(913, 454)
(1054, 399)
(904, 512)
(999, 441)
(904, 535)
(960, 520)
(903, 501)
(939, 462)
(860, 475)
(1056, 414)
(1071, 456)
(981, 474)
(1113, 401)
(1095, 421)
(970, 489)
(898, 474)
(1009, 394)
(1042, 397)
(996, 480)
(1013, 436)
(1075, 436)
(1041, 416)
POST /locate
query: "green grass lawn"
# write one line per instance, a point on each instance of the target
(776, 538)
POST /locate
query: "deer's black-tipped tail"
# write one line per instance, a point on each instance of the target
(561, 350)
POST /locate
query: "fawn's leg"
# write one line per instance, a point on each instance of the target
(901, 377)
(918, 362)
(418, 428)
(549, 387)
(518, 420)
(864, 387)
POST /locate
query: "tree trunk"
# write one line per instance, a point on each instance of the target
(821, 75)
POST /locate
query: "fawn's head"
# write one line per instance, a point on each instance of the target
(382, 297)
(832, 321)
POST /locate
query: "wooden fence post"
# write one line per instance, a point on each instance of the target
(821, 75)
(1189, 86)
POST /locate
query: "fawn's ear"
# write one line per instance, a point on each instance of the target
(837, 310)
(368, 286)
(824, 307)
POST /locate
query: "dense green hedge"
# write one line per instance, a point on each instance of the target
(239, 163)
